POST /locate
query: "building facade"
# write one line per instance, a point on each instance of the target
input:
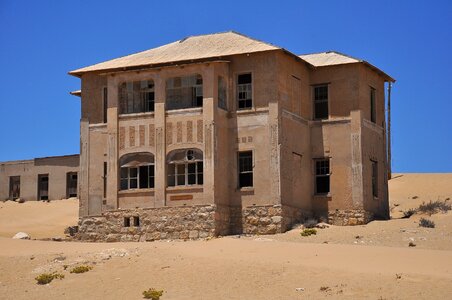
(222, 134)
(48, 178)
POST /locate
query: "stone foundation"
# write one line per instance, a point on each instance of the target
(184, 222)
(202, 221)
(349, 217)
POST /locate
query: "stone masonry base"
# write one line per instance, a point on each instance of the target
(201, 221)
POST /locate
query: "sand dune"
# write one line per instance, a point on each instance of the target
(360, 262)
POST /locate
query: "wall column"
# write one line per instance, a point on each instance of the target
(160, 141)
(112, 144)
(83, 184)
(357, 161)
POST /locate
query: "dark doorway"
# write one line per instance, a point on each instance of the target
(71, 184)
(14, 187)
(43, 187)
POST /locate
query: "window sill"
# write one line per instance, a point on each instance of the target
(135, 115)
(246, 189)
(251, 110)
(135, 191)
(185, 188)
(184, 111)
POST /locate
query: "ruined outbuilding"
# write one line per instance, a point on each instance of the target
(222, 134)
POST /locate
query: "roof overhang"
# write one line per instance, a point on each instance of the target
(77, 93)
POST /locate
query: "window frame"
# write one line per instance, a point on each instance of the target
(143, 101)
(237, 86)
(314, 101)
(316, 175)
(137, 177)
(239, 172)
(197, 92)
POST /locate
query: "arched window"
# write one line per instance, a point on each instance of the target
(136, 96)
(137, 171)
(185, 167)
(184, 92)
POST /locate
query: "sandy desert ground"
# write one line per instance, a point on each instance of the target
(360, 262)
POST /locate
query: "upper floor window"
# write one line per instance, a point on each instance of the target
(322, 176)
(222, 95)
(373, 114)
(136, 97)
(185, 167)
(244, 91)
(245, 164)
(137, 171)
(184, 92)
(321, 102)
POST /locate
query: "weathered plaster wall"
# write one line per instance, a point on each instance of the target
(28, 170)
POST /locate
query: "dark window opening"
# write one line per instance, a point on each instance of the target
(321, 102)
(104, 178)
(126, 222)
(14, 187)
(373, 115)
(43, 187)
(244, 91)
(374, 178)
(185, 167)
(71, 184)
(136, 221)
(105, 103)
(322, 176)
(184, 92)
(245, 167)
(136, 97)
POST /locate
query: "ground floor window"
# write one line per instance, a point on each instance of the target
(322, 176)
(136, 171)
(185, 167)
(245, 167)
(43, 187)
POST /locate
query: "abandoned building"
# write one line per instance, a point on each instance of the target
(48, 178)
(222, 134)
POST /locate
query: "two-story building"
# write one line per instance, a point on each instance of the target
(221, 134)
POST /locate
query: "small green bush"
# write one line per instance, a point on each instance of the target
(308, 232)
(426, 223)
(46, 278)
(434, 207)
(152, 294)
(81, 269)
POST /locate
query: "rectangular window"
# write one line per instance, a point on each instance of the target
(184, 92)
(374, 178)
(126, 222)
(105, 103)
(190, 173)
(43, 187)
(14, 187)
(136, 97)
(244, 91)
(222, 100)
(373, 114)
(321, 102)
(322, 176)
(245, 162)
(137, 177)
(105, 179)
(136, 221)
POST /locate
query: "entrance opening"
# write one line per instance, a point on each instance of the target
(43, 187)
(14, 187)
(71, 184)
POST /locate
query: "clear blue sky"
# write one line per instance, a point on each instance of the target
(40, 41)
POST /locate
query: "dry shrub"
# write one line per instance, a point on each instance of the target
(152, 294)
(426, 223)
(46, 278)
(308, 232)
(434, 207)
(81, 269)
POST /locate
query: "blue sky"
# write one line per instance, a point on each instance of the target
(40, 41)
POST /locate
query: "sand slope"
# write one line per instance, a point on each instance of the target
(360, 262)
